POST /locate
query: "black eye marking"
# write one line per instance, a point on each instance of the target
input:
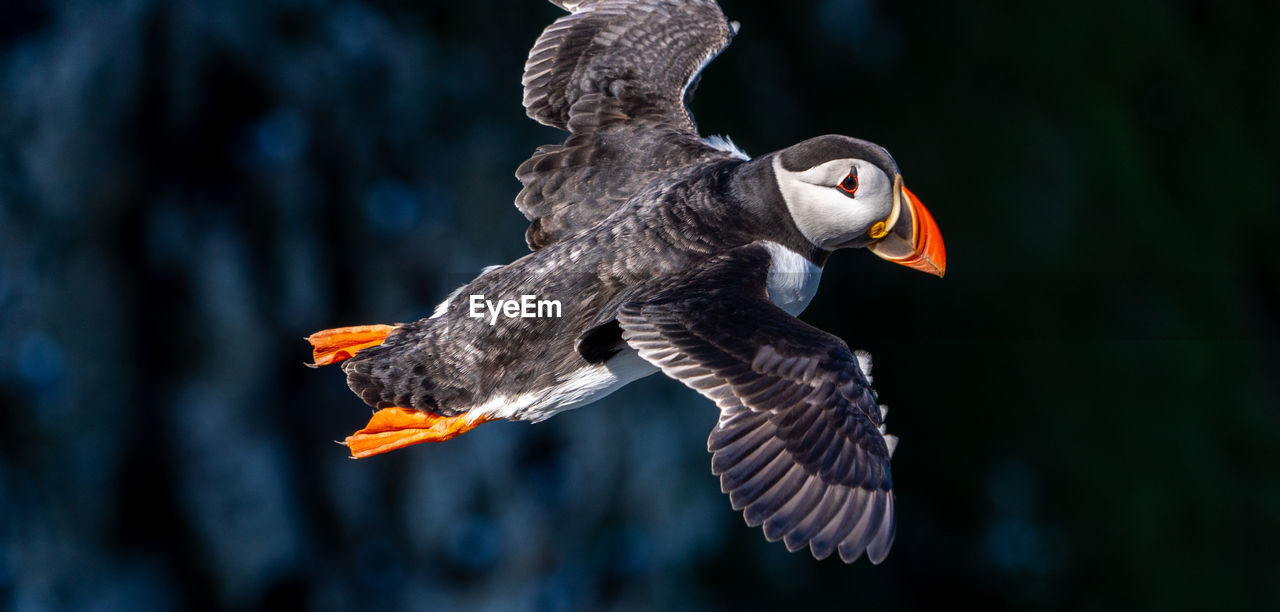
(849, 186)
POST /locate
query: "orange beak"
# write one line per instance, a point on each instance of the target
(913, 239)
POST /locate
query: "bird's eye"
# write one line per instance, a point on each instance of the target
(850, 184)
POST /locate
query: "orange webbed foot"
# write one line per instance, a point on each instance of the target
(393, 428)
(334, 345)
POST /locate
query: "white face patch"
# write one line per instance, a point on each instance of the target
(824, 214)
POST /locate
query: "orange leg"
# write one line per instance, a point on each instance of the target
(334, 345)
(393, 428)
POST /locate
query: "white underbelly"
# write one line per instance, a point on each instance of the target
(579, 388)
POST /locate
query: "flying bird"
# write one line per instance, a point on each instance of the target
(655, 249)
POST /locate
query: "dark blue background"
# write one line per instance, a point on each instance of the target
(1087, 402)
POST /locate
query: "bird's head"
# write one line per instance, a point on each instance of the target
(843, 192)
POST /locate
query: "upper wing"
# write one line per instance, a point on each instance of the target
(616, 74)
(642, 53)
(800, 444)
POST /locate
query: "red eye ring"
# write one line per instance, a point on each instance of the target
(849, 185)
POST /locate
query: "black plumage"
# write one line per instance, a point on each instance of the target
(667, 252)
(797, 412)
(614, 74)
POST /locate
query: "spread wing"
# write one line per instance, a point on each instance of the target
(800, 444)
(617, 75)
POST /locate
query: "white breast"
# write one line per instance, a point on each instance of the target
(793, 279)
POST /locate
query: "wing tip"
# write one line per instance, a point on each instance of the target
(856, 522)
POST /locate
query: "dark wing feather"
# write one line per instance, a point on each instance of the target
(799, 446)
(616, 75)
(643, 53)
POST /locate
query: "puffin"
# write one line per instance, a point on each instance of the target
(654, 249)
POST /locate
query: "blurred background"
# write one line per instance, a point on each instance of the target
(1087, 403)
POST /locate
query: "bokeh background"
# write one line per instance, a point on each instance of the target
(1087, 402)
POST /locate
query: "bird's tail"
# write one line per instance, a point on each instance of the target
(333, 345)
(394, 427)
